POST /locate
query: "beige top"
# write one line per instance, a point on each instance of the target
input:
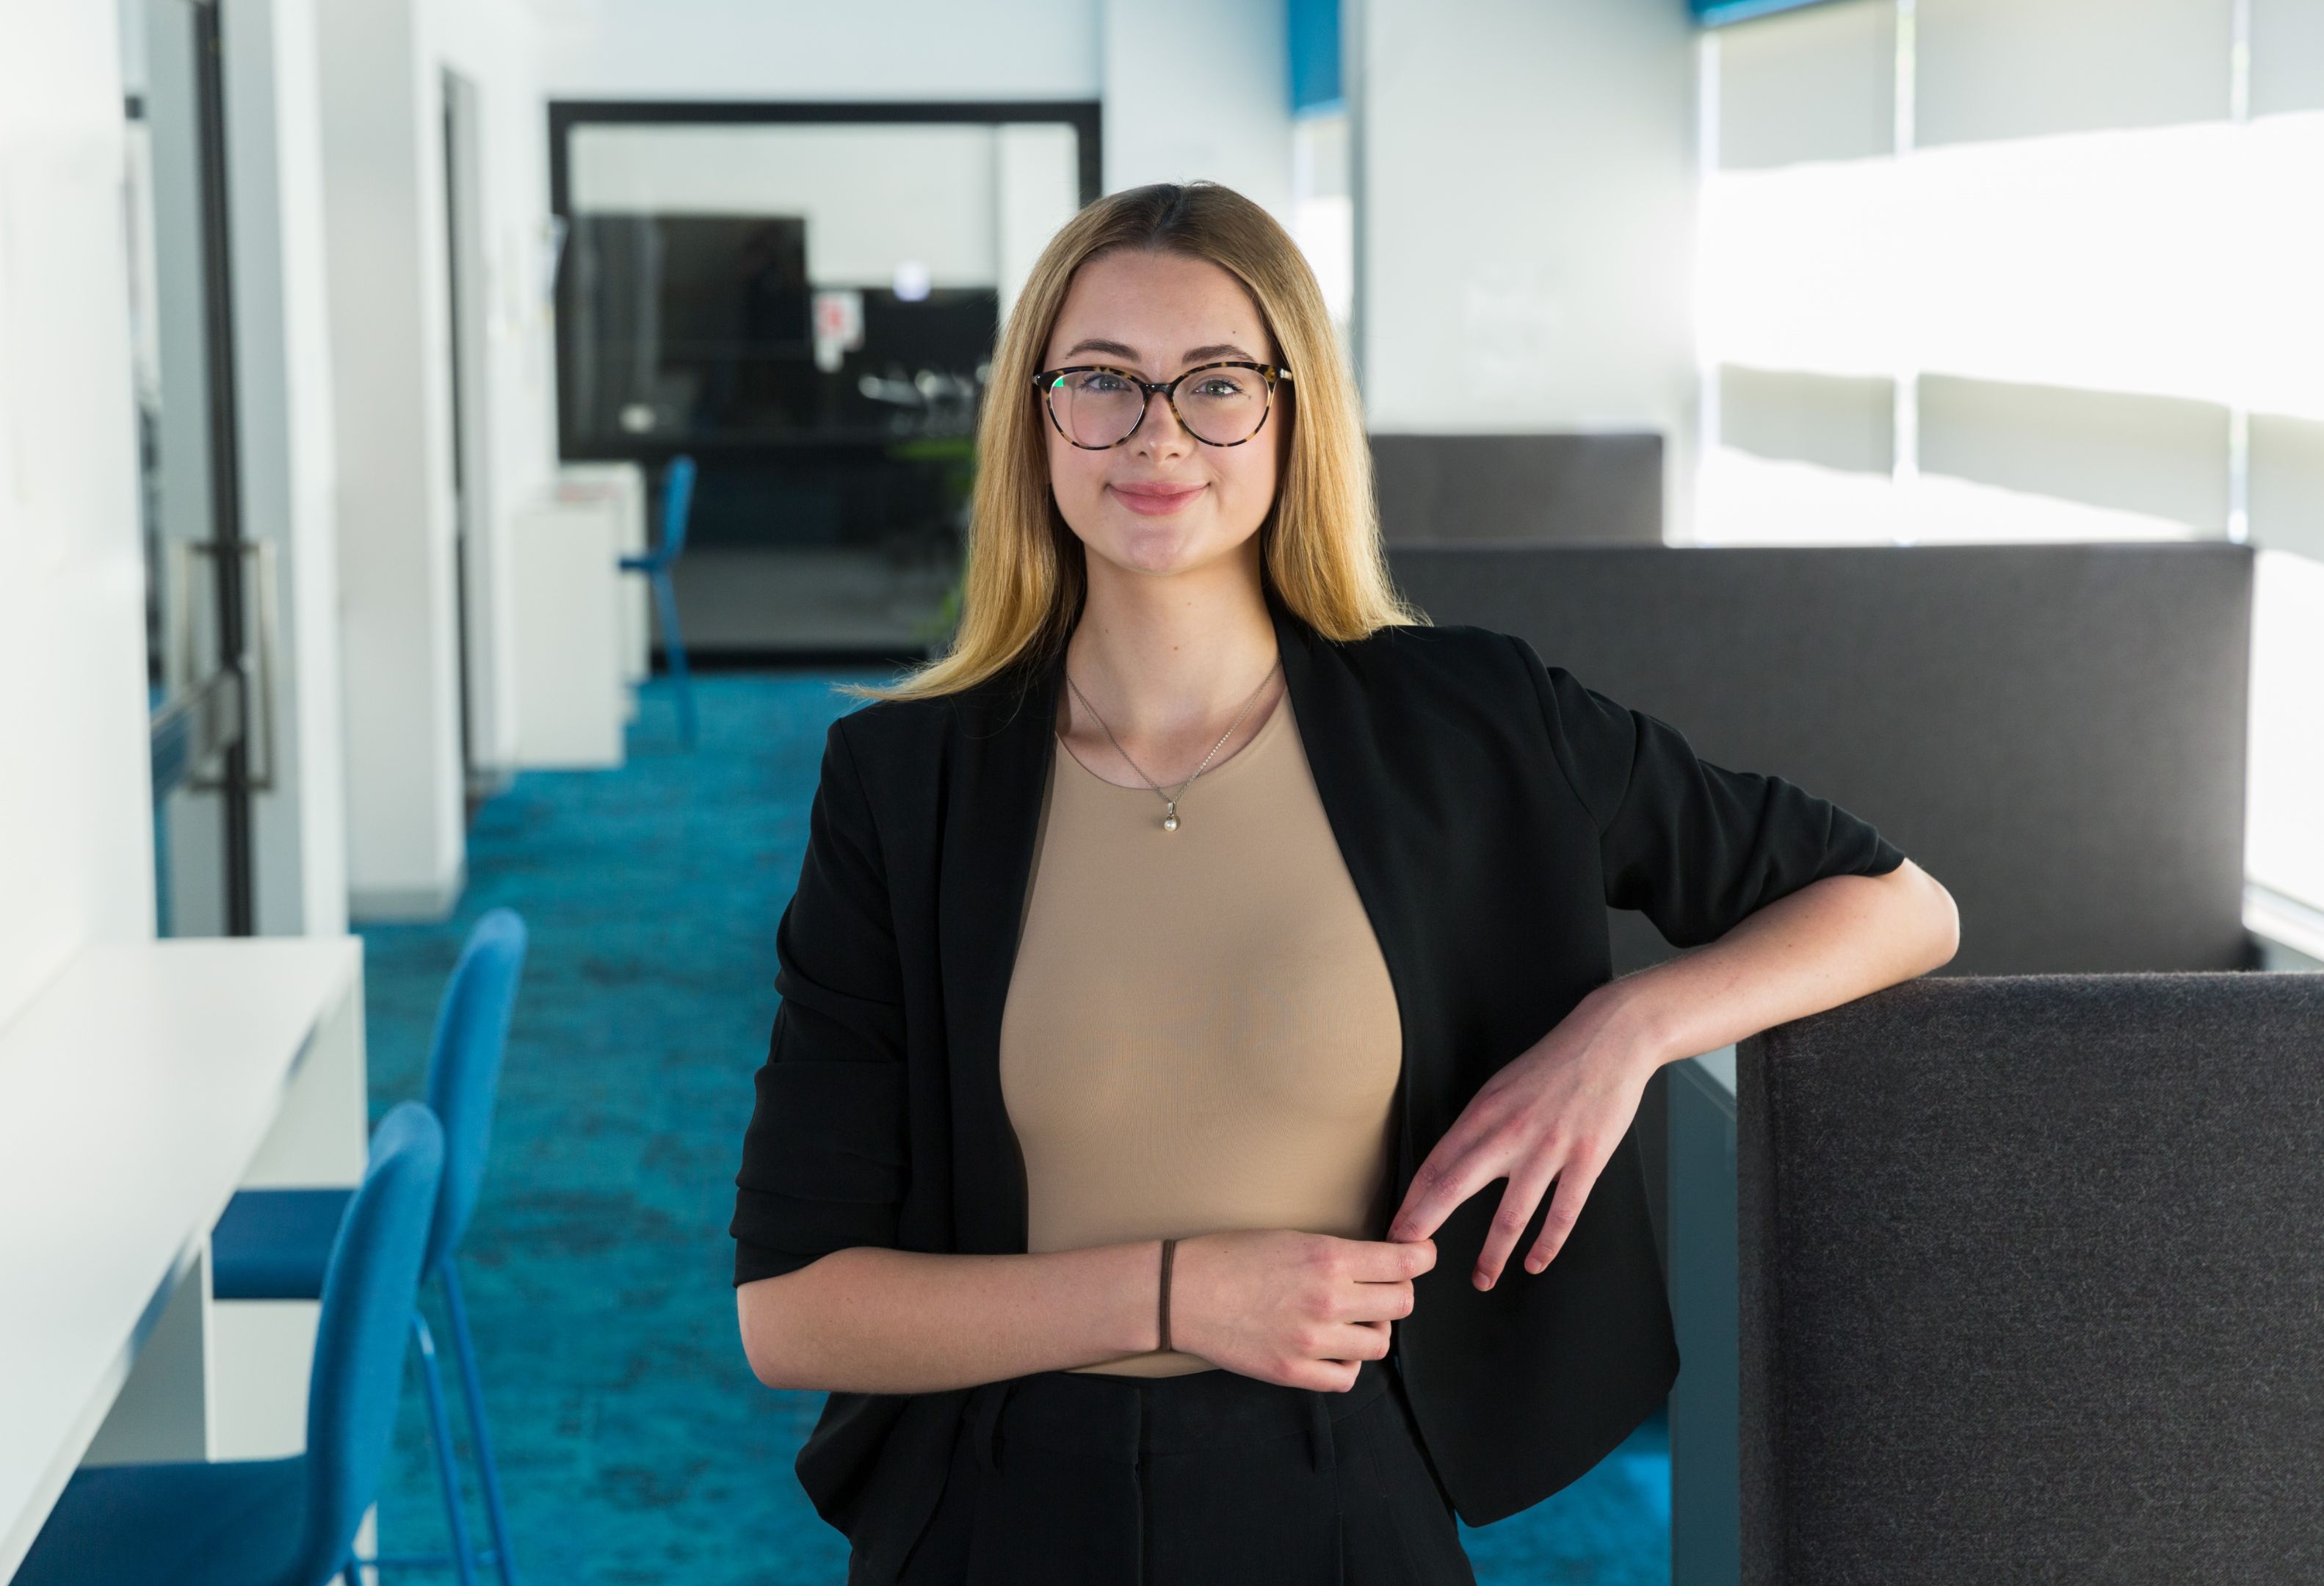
(1200, 1032)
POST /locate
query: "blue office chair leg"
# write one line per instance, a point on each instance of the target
(462, 1559)
(674, 646)
(463, 1346)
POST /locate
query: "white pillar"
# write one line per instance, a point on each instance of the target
(282, 368)
(391, 338)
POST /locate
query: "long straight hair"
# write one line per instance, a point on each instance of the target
(1320, 546)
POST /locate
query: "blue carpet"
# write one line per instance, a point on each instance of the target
(635, 1446)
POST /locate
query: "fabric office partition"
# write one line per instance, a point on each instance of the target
(2033, 1283)
(1525, 489)
(2056, 731)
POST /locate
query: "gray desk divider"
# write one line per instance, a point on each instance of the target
(2031, 1284)
(2056, 731)
(1534, 489)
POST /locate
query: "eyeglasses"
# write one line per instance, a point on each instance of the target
(1096, 406)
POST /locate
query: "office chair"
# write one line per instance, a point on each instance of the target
(271, 1244)
(677, 502)
(287, 1522)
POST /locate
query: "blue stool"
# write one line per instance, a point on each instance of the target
(287, 1522)
(274, 1244)
(676, 501)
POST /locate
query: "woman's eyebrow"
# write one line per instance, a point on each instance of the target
(1195, 355)
(1112, 349)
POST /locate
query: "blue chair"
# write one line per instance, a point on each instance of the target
(272, 1244)
(676, 501)
(289, 1522)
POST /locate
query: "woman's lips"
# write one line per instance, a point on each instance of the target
(1154, 501)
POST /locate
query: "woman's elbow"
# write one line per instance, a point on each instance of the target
(1945, 918)
(761, 1310)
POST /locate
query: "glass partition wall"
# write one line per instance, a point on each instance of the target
(206, 645)
(803, 299)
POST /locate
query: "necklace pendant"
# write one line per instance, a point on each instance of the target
(1170, 821)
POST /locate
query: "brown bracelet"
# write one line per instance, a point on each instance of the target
(1169, 1247)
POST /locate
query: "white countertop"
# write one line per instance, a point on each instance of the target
(134, 1091)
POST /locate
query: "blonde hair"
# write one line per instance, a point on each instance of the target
(1320, 544)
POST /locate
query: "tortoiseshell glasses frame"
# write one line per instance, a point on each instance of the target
(1046, 382)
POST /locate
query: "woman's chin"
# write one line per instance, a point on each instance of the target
(1161, 548)
(1158, 550)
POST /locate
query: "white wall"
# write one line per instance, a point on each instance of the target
(871, 195)
(1037, 187)
(812, 50)
(1199, 89)
(76, 833)
(1526, 190)
(1196, 89)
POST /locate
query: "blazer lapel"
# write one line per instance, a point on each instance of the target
(1339, 732)
(992, 808)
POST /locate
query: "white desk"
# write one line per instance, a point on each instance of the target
(566, 605)
(141, 1088)
(624, 484)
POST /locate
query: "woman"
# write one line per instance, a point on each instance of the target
(1174, 961)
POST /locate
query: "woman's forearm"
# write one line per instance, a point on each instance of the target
(1829, 942)
(879, 1321)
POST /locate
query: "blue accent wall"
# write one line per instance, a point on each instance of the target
(1712, 13)
(1315, 54)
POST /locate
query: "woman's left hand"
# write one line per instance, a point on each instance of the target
(1556, 1111)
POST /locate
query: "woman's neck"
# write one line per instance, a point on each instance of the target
(1168, 664)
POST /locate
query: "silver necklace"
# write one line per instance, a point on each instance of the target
(1170, 800)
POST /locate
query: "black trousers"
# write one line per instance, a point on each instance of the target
(1211, 1478)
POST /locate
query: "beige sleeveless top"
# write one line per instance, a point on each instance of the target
(1200, 1032)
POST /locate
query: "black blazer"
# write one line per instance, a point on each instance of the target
(1488, 809)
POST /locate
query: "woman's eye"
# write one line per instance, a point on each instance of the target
(1218, 385)
(1101, 384)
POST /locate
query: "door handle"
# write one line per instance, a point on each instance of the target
(257, 565)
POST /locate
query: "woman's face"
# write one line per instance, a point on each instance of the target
(1162, 501)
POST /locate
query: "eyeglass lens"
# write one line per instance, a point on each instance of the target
(1101, 407)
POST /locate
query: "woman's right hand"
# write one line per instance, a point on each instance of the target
(1305, 1310)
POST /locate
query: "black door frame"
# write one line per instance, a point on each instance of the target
(179, 727)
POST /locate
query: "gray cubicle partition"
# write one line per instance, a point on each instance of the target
(2033, 1284)
(2055, 732)
(1596, 488)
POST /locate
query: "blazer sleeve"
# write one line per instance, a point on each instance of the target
(823, 1159)
(1694, 846)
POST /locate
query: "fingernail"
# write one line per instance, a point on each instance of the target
(1484, 1279)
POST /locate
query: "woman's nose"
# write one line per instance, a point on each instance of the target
(1163, 426)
